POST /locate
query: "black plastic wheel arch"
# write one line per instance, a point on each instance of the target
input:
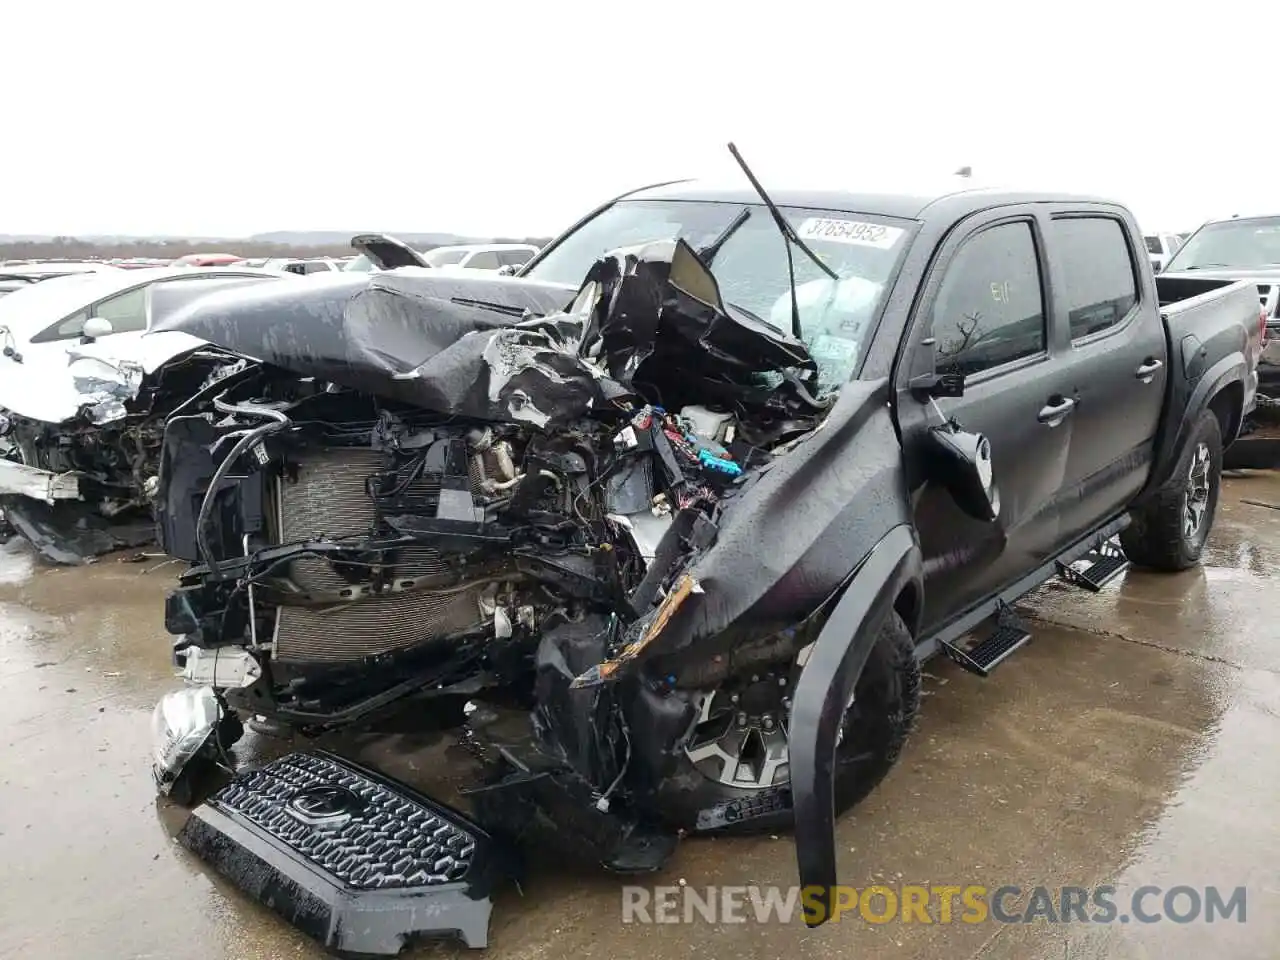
(822, 693)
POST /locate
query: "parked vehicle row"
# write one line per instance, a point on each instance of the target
(382, 252)
(17, 276)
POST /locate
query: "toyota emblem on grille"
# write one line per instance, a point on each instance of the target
(327, 805)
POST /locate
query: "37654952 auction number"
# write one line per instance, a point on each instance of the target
(855, 232)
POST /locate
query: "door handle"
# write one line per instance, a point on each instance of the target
(1054, 412)
(1146, 373)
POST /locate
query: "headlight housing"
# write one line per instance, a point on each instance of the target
(182, 723)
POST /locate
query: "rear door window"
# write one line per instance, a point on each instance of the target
(1099, 285)
(990, 306)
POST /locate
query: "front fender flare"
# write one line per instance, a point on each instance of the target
(822, 693)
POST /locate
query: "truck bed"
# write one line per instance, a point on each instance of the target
(1175, 289)
(1217, 312)
(1210, 317)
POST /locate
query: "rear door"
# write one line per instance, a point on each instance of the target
(1109, 326)
(983, 313)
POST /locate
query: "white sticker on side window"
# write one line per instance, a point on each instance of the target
(849, 231)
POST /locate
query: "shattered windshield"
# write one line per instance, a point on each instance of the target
(750, 265)
(1232, 243)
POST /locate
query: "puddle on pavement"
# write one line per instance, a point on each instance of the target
(1085, 758)
(1216, 610)
(16, 563)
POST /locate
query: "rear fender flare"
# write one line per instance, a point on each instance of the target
(1230, 369)
(826, 683)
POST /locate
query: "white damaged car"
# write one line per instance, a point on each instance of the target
(84, 392)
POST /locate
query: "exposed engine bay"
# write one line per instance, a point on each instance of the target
(500, 530)
(91, 480)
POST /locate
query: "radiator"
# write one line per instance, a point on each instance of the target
(328, 499)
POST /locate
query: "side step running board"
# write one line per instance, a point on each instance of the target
(363, 864)
(1098, 567)
(984, 655)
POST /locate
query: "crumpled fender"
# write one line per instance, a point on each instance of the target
(826, 683)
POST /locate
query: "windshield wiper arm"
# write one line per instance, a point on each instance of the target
(784, 226)
(789, 237)
(708, 253)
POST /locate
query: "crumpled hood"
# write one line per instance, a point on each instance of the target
(496, 348)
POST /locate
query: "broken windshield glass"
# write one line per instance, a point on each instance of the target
(751, 265)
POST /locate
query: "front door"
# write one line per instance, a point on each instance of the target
(983, 315)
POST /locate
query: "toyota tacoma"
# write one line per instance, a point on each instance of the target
(662, 526)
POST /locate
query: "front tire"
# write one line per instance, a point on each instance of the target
(1168, 532)
(875, 728)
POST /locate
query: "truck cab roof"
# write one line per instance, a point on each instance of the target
(944, 201)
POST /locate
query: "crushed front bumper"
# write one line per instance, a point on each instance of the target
(18, 479)
(363, 864)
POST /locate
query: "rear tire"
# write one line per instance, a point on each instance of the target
(876, 726)
(1168, 532)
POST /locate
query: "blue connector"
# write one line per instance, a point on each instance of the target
(706, 458)
(706, 446)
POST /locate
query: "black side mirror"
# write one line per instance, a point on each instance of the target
(961, 461)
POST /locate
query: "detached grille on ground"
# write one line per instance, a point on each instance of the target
(362, 863)
(329, 499)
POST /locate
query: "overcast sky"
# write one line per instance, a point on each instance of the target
(228, 118)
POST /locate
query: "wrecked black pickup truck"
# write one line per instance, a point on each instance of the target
(662, 526)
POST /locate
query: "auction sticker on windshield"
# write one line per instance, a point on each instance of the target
(849, 231)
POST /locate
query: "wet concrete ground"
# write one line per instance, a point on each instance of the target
(1135, 741)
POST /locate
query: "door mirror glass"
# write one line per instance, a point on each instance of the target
(961, 461)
